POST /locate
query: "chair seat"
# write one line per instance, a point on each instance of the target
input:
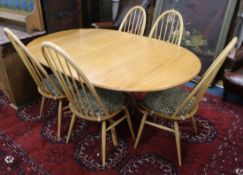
(112, 100)
(49, 86)
(166, 101)
(234, 78)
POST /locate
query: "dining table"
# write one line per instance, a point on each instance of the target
(122, 61)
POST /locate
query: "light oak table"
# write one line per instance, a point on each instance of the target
(124, 62)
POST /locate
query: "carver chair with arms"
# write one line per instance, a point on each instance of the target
(134, 22)
(233, 74)
(47, 84)
(168, 27)
(177, 104)
(85, 101)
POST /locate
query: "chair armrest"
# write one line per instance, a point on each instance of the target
(236, 61)
(105, 25)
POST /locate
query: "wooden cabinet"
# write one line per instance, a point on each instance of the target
(61, 14)
(68, 14)
(15, 80)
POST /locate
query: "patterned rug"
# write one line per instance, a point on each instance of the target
(14, 160)
(28, 145)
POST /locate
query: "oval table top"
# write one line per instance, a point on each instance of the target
(122, 61)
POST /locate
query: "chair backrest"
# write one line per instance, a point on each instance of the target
(205, 81)
(35, 69)
(124, 6)
(134, 21)
(80, 92)
(168, 27)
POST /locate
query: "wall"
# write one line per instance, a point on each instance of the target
(115, 4)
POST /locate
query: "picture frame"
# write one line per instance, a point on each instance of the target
(206, 25)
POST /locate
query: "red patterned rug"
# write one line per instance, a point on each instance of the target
(28, 145)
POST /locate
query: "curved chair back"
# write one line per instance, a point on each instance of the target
(198, 91)
(35, 69)
(168, 27)
(134, 21)
(83, 98)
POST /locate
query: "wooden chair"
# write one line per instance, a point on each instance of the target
(168, 27)
(48, 85)
(177, 104)
(134, 21)
(85, 101)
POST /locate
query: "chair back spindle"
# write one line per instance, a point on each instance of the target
(134, 21)
(168, 27)
(80, 92)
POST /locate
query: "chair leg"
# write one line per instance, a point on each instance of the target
(103, 142)
(194, 124)
(140, 129)
(113, 134)
(42, 105)
(177, 138)
(59, 120)
(73, 119)
(129, 121)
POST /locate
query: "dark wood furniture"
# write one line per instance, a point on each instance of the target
(96, 11)
(25, 20)
(124, 6)
(233, 75)
(62, 14)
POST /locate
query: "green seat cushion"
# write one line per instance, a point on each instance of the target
(112, 100)
(166, 101)
(50, 87)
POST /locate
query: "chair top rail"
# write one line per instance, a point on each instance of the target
(168, 27)
(134, 21)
